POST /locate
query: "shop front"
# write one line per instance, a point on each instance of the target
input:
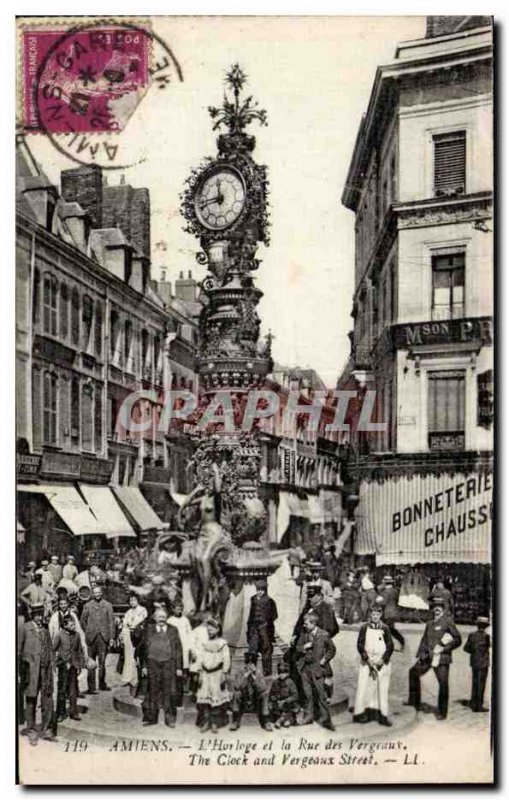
(424, 527)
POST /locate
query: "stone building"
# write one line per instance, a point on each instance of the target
(300, 475)
(91, 329)
(420, 184)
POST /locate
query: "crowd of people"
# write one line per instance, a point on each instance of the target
(67, 625)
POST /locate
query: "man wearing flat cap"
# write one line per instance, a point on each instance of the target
(440, 638)
(478, 646)
(260, 625)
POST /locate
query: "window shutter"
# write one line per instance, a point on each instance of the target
(450, 160)
(36, 409)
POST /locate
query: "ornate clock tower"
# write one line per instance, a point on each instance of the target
(225, 205)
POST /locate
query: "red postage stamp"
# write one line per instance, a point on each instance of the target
(84, 80)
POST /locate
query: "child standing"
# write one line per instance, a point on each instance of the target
(213, 696)
(478, 645)
(70, 660)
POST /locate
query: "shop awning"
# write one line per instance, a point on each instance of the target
(69, 505)
(426, 519)
(143, 514)
(111, 520)
(290, 505)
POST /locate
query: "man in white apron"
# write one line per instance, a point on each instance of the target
(375, 647)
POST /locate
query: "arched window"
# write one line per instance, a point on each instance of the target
(49, 305)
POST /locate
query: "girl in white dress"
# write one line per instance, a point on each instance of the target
(131, 622)
(213, 696)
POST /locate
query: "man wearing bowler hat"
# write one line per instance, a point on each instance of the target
(440, 638)
(36, 652)
(260, 625)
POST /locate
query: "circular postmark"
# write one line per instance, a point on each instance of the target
(82, 86)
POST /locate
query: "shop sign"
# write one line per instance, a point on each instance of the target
(426, 518)
(468, 329)
(28, 465)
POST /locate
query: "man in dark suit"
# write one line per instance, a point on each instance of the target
(478, 645)
(260, 625)
(389, 597)
(70, 660)
(440, 638)
(161, 659)
(98, 623)
(314, 652)
(36, 651)
(324, 612)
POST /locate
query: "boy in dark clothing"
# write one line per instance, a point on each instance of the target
(478, 645)
(70, 660)
(283, 699)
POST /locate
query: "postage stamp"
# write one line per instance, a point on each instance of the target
(89, 79)
(86, 80)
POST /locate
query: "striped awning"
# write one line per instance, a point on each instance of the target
(426, 518)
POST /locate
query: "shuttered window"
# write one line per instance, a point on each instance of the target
(49, 422)
(446, 409)
(450, 162)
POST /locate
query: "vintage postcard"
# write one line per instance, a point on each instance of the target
(254, 400)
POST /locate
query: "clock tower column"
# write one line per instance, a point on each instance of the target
(225, 205)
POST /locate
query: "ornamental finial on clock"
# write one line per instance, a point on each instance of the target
(234, 114)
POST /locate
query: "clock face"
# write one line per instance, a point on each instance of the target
(220, 198)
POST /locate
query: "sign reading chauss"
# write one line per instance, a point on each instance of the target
(426, 518)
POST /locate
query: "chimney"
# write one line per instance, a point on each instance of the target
(84, 185)
(185, 288)
(128, 209)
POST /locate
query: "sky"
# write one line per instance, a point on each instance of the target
(314, 76)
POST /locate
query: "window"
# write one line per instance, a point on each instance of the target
(64, 311)
(75, 318)
(98, 426)
(49, 402)
(87, 315)
(448, 286)
(75, 411)
(446, 410)
(144, 347)
(128, 342)
(50, 295)
(36, 296)
(450, 163)
(87, 420)
(115, 338)
(36, 409)
(98, 331)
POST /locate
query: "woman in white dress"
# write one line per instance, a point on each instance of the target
(213, 695)
(131, 629)
(375, 647)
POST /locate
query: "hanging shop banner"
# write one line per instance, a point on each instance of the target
(426, 518)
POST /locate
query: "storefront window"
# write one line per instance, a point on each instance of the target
(446, 410)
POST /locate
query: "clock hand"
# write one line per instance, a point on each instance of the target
(218, 199)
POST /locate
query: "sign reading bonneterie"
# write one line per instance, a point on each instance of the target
(427, 518)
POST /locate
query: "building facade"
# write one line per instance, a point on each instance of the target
(301, 467)
(92, 328)
(420, 185)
